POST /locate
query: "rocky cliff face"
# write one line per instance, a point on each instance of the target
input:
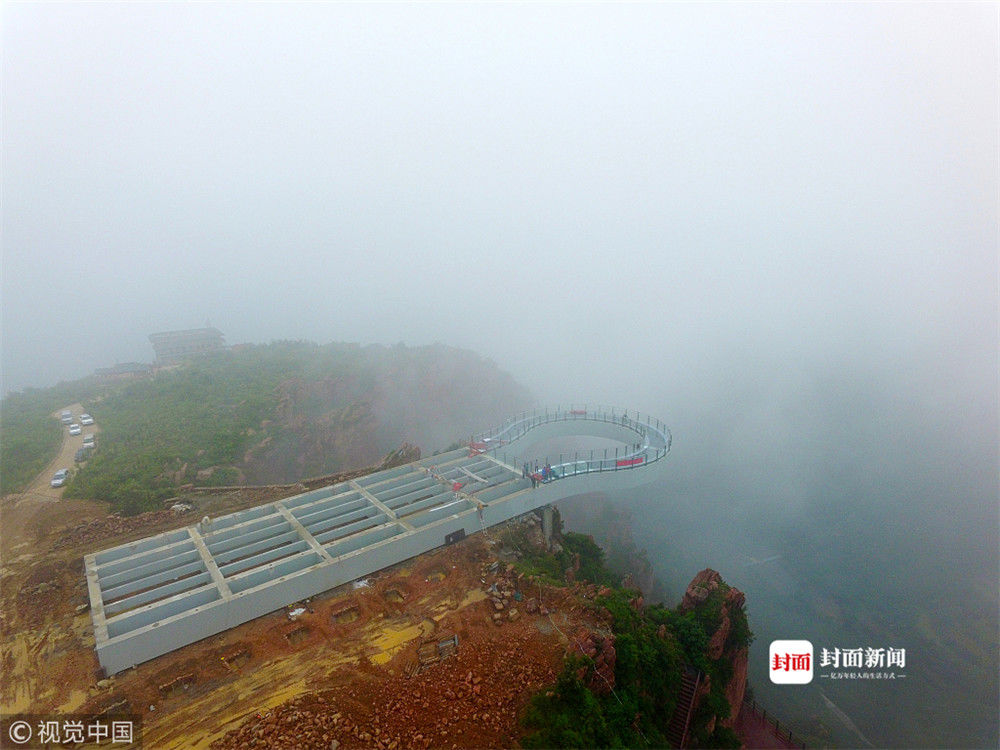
(383, 397)
(727, 642)
(611, 526)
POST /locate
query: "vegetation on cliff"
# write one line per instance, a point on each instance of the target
(653, 646)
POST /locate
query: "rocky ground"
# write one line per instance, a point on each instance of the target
(511, 643)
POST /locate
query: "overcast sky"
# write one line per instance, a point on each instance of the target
(595, 196)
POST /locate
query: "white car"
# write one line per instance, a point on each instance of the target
(86, 419)
(59, 478)
(75, 429)
(66, 417)
(88, 441)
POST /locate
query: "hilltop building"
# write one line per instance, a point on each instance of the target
(173, 345)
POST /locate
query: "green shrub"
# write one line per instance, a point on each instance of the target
(568, 715)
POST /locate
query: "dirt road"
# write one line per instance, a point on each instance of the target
(32, 515)
(40, 488)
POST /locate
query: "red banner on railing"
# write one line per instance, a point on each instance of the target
(630, 461)
(578, 412)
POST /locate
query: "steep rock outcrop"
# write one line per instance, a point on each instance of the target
(708, 590)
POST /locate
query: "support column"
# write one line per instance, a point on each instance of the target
(548, 518)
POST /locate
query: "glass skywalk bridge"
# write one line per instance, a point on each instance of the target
(158, 594)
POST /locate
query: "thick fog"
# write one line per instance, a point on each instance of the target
(773, 226)
(605, 200)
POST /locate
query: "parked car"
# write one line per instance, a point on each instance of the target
(66, 417)
(81, 454)
(75, 429)
(59, 478)
(86, 419)
(88, 441)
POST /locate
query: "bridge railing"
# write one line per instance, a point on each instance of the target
(655, 440)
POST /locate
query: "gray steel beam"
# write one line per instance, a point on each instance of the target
(334, 501)
(429, 491)
(335, 512)
(217, 539)
(190, 554)
(378, 504)
(97, 615)
(440, 499)
(135, 548)
(160, 592)
(343, 528)
(330, 536)
(309, 538)
(247, 550)
(229, 547)
(167, 576)
(275, 553)
(151, 613)
(385, 494)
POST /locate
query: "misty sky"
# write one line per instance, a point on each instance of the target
(602, 198)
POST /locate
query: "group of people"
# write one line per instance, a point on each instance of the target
(544, 474)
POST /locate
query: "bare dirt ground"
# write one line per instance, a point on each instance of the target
(346, 669)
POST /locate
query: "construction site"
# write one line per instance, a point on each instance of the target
(173, 589)
(441, 647)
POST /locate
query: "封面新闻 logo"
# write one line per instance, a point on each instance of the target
(791, 662)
